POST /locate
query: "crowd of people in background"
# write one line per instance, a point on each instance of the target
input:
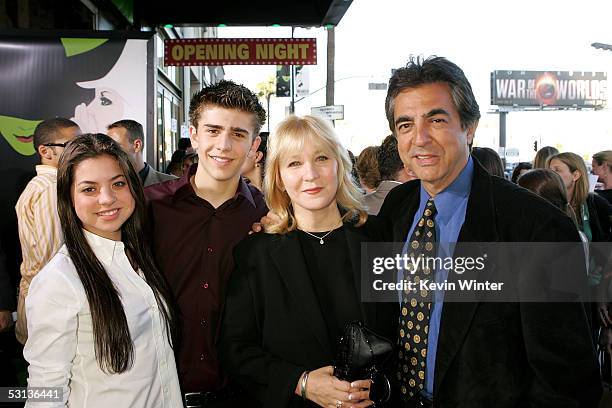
(147, 287)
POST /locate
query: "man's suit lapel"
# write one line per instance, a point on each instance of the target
(289, 260)
(479, 226)
(405, 215)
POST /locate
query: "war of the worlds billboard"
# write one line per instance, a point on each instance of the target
(550, 89)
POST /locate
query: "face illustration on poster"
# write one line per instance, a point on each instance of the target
(94, 81)
(118, 95)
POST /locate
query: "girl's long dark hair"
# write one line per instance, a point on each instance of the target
(113, 344)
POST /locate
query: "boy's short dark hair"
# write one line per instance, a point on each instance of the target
(230, 95)
(47, 130)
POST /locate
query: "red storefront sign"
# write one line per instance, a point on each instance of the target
(241, 51)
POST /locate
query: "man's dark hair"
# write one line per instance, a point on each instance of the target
(229, 95)
(184, 143)
(389, 162)
(419, 71)
(133, 128)
(516, 173)
(48, 130)
(263, 146)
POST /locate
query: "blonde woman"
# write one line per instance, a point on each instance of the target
(297, 286)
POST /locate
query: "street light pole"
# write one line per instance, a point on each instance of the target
(331, 44)
(602, 46)
(292, 86)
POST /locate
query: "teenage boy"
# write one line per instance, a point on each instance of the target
(197, 220)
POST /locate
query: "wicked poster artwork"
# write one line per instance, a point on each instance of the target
(93, 81)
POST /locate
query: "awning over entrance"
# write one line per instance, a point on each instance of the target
(242, 12)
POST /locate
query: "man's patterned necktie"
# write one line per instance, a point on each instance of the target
(415, 308)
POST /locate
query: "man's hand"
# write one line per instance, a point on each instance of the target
(269, 219)
(6, 320)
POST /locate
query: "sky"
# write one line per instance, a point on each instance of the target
(374, 37)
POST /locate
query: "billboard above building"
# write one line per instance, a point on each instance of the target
(551, 89)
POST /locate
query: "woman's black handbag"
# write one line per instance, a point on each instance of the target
(361, 354)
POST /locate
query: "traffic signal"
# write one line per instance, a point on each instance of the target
(283, 79)
(535, 146)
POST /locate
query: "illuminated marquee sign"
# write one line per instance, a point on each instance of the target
(549, 88)
(241, 51)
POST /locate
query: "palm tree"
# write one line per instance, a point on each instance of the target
(266, 89)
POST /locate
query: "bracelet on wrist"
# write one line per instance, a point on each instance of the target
(303, 384)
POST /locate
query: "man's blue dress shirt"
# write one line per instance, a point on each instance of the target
(451, 205)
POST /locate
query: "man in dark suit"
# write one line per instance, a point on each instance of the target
(477, 354)
(130, 136)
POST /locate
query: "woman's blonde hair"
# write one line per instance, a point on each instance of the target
(542, 157)
(290, 137)
(581, 188)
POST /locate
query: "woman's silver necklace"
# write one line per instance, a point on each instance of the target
(321, 239)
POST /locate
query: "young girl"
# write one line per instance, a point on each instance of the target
(100, 315)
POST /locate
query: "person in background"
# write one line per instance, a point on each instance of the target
(253, 167)
(10, 363)
(490, 160)
(541, 158)
(130, 136)
(548, 185)
(602, 167)
(175, 167)
(592, 212)
(189, 160)
(354, 169)
(101, 317)
(392, 174)
(367, 169)
(297, 286)
(184, 143)
(7, 296)
(519, 170)
(40, 233)
(594, 216)
(196, 222)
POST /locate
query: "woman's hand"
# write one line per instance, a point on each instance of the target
(328, 391)
(359, 394)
